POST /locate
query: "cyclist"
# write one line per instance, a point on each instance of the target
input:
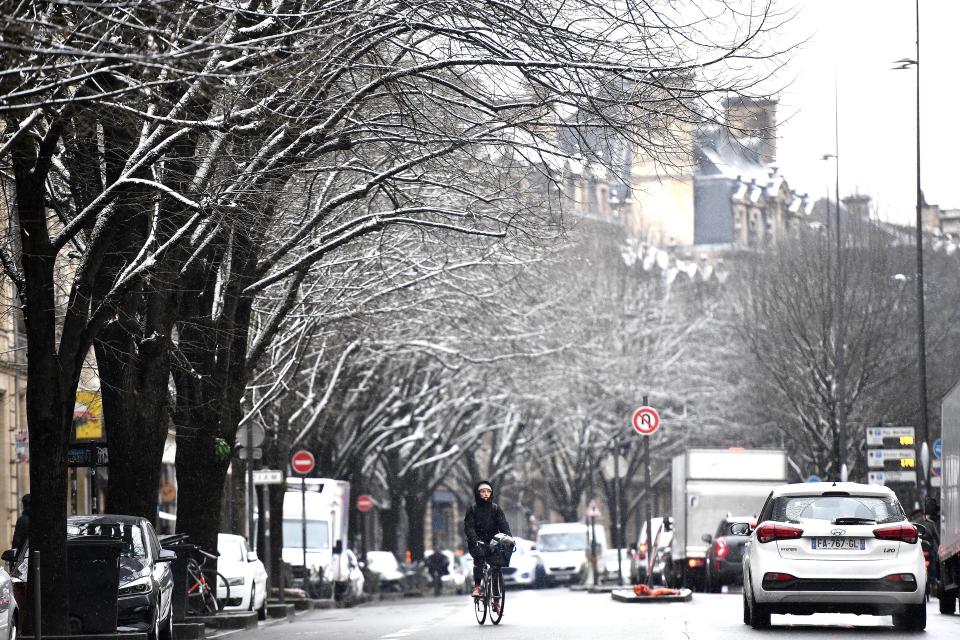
(484, 520)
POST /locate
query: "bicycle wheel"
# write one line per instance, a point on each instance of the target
(480, 604)
(498, 596)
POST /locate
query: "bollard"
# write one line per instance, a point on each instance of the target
(35, 579)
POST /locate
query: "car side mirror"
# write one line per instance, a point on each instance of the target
(668, 524)
(707, 538)
(10, 555)
(740, 529)
(166, 556)
(252, 556)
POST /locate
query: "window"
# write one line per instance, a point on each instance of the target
(318, 536)
(796, 509)
(129, 534)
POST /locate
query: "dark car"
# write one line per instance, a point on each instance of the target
(144, 597)
(724, 555)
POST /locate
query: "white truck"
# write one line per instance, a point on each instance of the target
(948, 582)
(327, 505)
(708, 485)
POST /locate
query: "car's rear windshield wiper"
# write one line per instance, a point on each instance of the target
(854, 521)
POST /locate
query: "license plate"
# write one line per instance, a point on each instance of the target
(839, 542)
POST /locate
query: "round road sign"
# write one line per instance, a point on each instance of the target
(364, 503)
(646, 420)
(302, 462)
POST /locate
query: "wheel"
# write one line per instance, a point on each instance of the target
(13, 627)
(262, 611)
(948, 604)
(154, 634)
(253, 594)
(480, 604)
(746, 608)
(913, 618)
(759, 614)
(498, 594)
(167, 632)
(711, 583)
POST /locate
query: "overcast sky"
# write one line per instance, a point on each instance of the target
(859, 40)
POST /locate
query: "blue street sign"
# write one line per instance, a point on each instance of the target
(813, 479)
(938, 448)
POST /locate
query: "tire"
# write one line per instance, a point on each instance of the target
(167, 632)
(746, 608)
(913, 618)
(154, 634)
(759, 614)
(480, 605)
(262, 611)
(14, 629)
(948, 604)
(498, 590)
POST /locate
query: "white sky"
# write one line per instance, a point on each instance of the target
(859, 40)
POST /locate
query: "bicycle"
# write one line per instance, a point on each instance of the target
(493, 595)
(201, 596)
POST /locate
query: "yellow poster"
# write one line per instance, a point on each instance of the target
(88, 416)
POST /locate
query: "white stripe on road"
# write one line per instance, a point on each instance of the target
(402, 633)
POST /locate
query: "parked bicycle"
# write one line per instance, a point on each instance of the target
(201, 595)
(493, 596)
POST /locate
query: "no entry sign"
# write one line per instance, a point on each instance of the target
(302, 462)
(364, 503)
(646, 420)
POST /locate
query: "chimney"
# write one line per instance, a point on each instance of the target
(754, 118)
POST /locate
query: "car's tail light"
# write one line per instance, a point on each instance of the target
(721, 548)
(771, 532)
(778, 577)
(900, 577)
(695, 562)
(903, 532)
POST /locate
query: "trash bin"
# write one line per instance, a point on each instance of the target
(93, 563)
(184, 551)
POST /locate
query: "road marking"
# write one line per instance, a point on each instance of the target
(402, 633)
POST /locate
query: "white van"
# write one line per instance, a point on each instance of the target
(564, 547)
(327, 510)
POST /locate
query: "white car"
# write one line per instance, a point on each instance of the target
(526, 568)
(609, 565)
(835, 548)
(244, 573)
(384, 564)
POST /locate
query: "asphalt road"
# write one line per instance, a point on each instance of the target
(559, 614)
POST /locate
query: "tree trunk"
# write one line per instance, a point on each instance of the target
(390, 523)
(415, 506)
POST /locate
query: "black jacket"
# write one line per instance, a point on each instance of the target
(484, 519)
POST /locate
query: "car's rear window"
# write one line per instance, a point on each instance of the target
(796, 509)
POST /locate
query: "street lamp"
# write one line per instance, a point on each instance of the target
(922, 446)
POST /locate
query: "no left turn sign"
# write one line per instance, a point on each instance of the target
(646, 420)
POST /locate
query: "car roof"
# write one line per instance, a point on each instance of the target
(819, 488)
(106, 518)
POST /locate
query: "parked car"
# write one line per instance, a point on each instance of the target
(526, 567)
(663, 535)
(609, 565)
(145, 593)
(384, 565)
(9, 621)
(724, 554)
(245, 575)
(839, 547)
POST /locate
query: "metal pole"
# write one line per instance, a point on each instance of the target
(35, 579)
(841, 334)
(593, 548)
(921, 324)
(649, 495)
(616, 512)
(250, 488)
(265, 523)
(303, 526)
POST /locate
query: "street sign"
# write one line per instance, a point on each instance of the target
(88, 455)
(936, 481)
(813, 479)
(877, 435)
(364, 503)
(259, 435)
(302, 462)
(243, 455)
(646, 420)
(887, 477)
(267, 476)
(877, 457)
(936, 469)
(611, 467)
(938, 448)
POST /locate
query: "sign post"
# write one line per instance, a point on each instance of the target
(364, 504)
(302, 464)
(646, 420)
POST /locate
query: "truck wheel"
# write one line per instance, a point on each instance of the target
(948, 604)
